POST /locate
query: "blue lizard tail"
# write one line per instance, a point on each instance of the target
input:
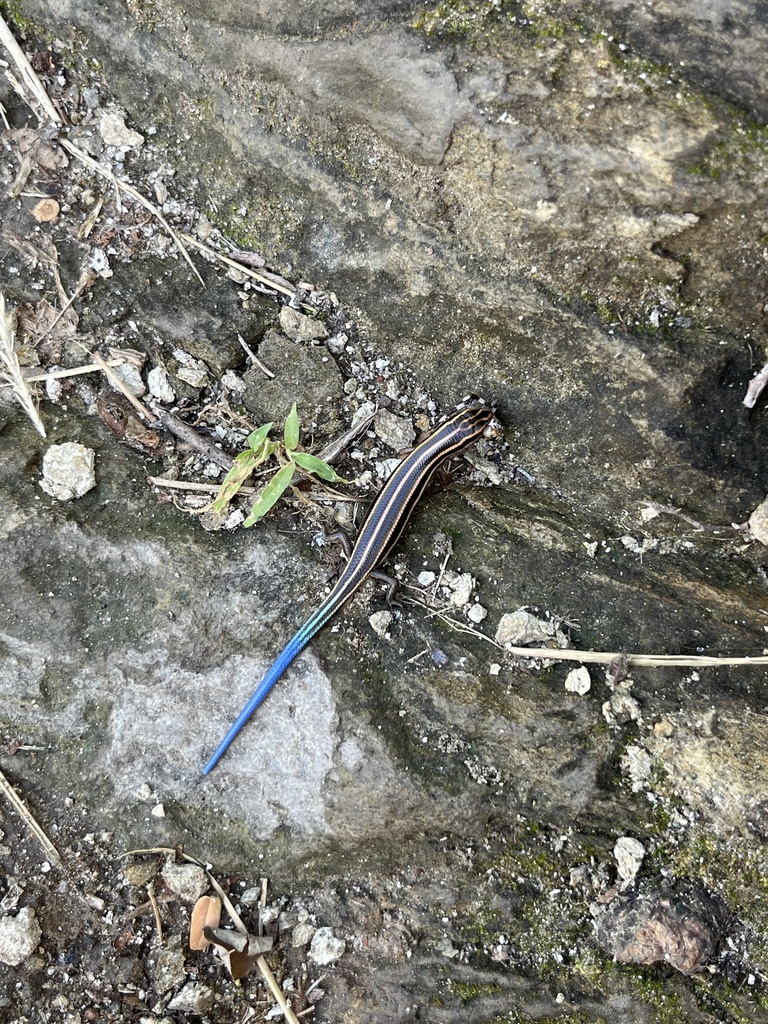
(293, 647)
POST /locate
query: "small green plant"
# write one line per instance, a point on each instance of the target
(260, 449)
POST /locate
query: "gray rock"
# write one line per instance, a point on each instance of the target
(194, 998)
(68, 471)
(19, 937)
(325, 947)
(189, 881)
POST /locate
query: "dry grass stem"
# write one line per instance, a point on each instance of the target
(254, 358)
(276, 991)
(155, 911)
(333, 451)
(12, 373)
(115, 381)
(21, 808)
(30, 88)
(73, 371)
(601, 657)
(267, 279)
(186, 485)
(87, 278)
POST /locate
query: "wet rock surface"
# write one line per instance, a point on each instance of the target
(563, 209)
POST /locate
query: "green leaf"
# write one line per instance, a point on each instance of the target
(243, 466)
(291, 432)
(271, 493)
(257, 438)
(311, 464)
(241, 469)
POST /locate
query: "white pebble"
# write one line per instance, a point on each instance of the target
(477, 613)
(629, 855)
(578, 680)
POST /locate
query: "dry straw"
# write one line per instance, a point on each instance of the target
(12, 374)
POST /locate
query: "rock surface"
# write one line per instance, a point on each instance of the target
(561, 208)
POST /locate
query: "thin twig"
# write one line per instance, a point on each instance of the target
(254, 358)
(604, 657)
(270, 280)
(187, 485)
(21, 808)
(633, 660)
(116, 382)
(332, 452)
(155, 910)
(193, 438)
(276, 991)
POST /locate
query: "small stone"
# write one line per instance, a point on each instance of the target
(426, 578)
(758, 523)
(621, 708)
(578, 680)
(461, 588)
(19, 937)
(664, 729)
(131, 378)
(158, 811)
(629, 855)
(193, 998)
(167, 969)
(114, 131)
(233, 383)
(337, 344)
(159, 385)
(140, 872)
(302, 934)
(521, 627)
(68, 471)
(637, 763)
(447, 948)
(393, 430)
(682, 929)
(99, 261)
(380, 623)
(193, 376)
(326, 947)
(299, 327)
(187, 880)
(477, 613)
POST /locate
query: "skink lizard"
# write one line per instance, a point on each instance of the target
(378, 534)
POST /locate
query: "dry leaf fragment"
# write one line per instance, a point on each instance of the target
(238, 950)
(206, 914)
(46, 210)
